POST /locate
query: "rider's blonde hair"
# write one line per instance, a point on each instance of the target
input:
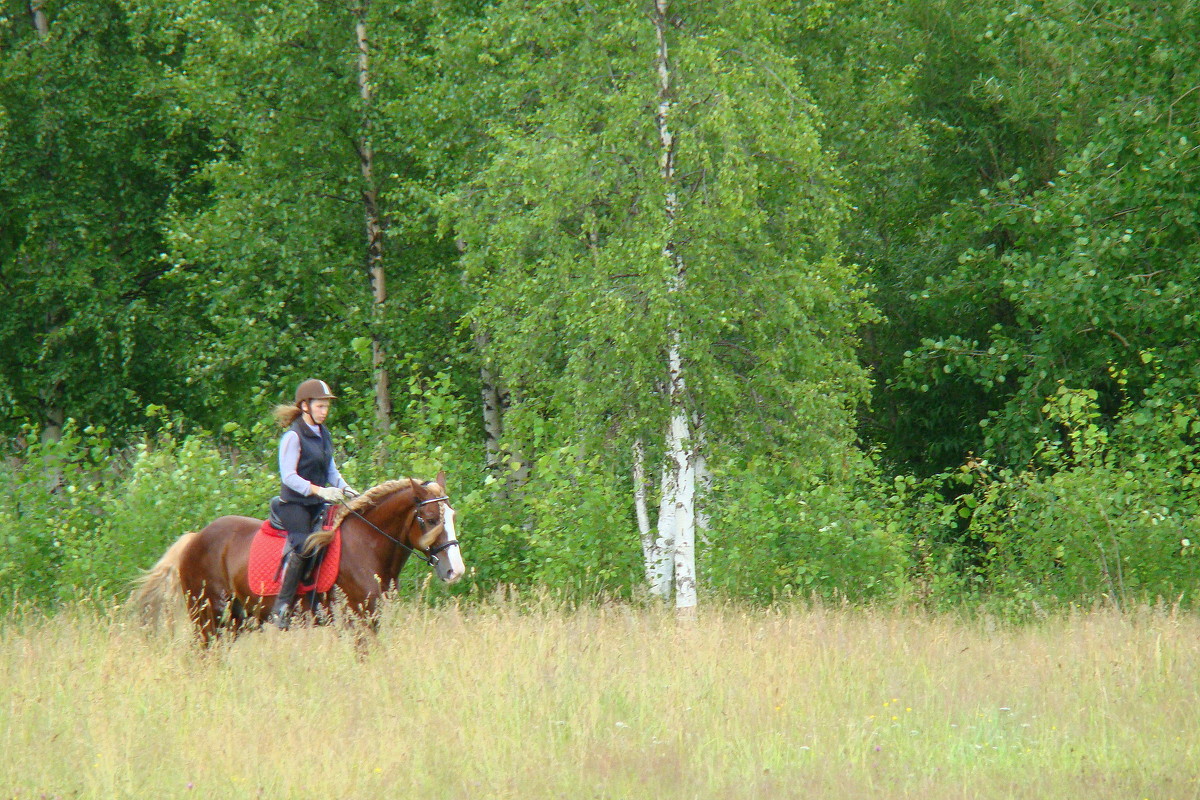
(285, 415)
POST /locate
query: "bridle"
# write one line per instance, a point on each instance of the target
(430, 556)
(427, 526)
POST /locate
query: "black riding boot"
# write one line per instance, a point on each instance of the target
(287, 591)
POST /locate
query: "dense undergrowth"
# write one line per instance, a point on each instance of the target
(1103, 511)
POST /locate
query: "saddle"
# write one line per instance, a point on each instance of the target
(326, 522)
(268, 549)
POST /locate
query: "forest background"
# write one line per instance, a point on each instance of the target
(916, 277)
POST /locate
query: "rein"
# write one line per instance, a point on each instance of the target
(431, 557)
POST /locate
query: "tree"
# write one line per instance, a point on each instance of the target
(374, 228)
(89, 154)
(997, 159)
(268, 237)
(630, 229)
(1079, 249)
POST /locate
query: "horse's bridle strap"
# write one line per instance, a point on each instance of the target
(441, 548)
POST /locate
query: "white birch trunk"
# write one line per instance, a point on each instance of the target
(493, 420)
(660, 563)
(39, 18)
(374, 229)
(650, 555)
(681, 488)
(679, 479)
(639, 495)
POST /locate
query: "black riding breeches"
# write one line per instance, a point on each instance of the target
(299, 520)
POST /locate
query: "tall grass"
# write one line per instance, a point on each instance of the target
(496, 700)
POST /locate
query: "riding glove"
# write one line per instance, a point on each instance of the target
(330, 494)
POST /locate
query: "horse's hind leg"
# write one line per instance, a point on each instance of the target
(237, 616)
(205, 609)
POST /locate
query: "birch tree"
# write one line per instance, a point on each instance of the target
(653, 238)
(677, 526)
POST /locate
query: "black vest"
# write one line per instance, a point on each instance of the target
(316, 451)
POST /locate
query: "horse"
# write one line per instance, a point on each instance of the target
(380, 529)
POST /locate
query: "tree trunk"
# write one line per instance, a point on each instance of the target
(661, 560)
(704, 479)
(53, 415)
(501, 461)
(374, 228)
(493, 407)
(650, 550)
(681, 487)
(39, 18)
(679, 480)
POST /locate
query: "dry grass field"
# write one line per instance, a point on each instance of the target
(500, 701)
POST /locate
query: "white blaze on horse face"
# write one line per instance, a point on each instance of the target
(450, 564)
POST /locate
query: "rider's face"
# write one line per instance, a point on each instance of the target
(318, 410)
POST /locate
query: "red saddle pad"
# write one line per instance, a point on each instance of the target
(266, 551)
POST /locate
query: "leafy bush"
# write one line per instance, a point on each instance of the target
(1101, 510)
(1106, 508)
(51, 493)
(80, 515)
(778, 531)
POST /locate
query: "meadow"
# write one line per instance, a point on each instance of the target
(531, 700)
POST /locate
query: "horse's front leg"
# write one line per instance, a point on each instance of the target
(361, 605)
(320, 605)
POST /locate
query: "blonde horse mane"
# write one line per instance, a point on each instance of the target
(361, 504)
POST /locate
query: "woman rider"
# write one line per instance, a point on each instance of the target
(310, 480)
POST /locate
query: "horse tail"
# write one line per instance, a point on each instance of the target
(159, 588)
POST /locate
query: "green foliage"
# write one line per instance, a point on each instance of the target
(89, 156)
(573, 533)
(580, 540)
(172, 487)
(181, 226)
(266, 236)
(1077, 251)
(564, 225)
(778, 531)
(81, 516)
(1098, 512)
(50, 494)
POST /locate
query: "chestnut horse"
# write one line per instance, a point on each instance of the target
(380, 529)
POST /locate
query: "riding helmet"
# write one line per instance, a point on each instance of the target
(313, 389)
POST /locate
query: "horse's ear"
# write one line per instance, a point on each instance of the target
(441, 478)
